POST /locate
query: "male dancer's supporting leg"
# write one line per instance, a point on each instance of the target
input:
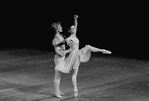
(57, 83)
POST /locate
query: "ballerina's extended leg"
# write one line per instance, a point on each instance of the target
(94, 49)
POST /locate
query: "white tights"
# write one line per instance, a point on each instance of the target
(74, 81)
(57, 79)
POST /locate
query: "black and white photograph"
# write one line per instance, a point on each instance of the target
(74, 51)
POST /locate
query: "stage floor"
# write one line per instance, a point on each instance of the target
(27, 75)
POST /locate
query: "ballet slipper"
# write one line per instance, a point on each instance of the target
(75, 93)
(106, 52)
(58, 95)
(61, 93)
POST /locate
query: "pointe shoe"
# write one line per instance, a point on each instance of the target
(61, 93)
(58, 95)
(75, 92)
(106, 52)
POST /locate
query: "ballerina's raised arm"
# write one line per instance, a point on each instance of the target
(73, 28)
(76, 23)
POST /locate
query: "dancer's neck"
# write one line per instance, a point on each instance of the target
(74, 35)
(57, 33)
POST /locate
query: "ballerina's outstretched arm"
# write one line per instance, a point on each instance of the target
(94, 49)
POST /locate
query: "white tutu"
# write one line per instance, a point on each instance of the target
(65, 64)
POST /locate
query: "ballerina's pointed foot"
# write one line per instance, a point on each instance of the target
(61, 93)
(58, 95)
(106, 52)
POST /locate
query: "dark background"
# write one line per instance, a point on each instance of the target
(119, 27)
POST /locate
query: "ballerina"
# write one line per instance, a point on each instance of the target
(59, 46)
(77, 55)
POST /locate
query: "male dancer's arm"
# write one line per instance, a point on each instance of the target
(67, 51)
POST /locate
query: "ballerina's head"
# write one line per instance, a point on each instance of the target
(72, 29)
